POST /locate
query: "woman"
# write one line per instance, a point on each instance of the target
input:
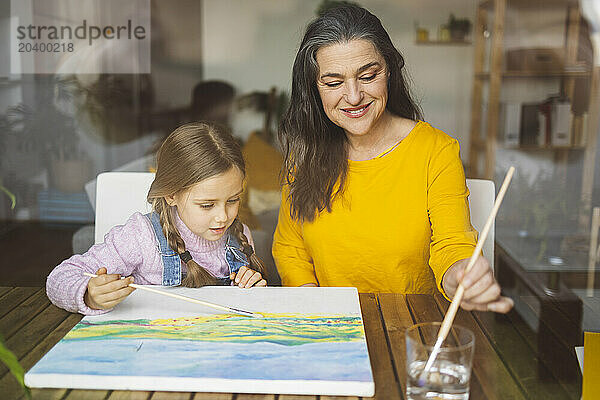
(373, 197)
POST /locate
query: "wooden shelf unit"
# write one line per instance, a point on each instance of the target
(526, 147)
(483, 145)
(537, 74)
(443, 42)
(532, 4)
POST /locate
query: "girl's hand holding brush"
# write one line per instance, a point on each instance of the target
(107, 290)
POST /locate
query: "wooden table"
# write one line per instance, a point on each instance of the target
(505, 365)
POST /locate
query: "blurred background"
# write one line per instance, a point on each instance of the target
(516, 82)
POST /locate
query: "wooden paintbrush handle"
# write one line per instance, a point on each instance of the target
(460, 291)
(188, 299)
(180, 297)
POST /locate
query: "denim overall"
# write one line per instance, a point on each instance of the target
(172, 274)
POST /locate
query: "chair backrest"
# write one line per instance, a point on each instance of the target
(118, 195)
(481, 202)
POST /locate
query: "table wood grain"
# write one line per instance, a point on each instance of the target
(505, 364)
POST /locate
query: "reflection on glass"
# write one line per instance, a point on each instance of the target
(536, 87)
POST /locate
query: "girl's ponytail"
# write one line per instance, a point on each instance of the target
(255, 263)
(196, 275)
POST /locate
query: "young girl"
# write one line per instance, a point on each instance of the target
(191, 238)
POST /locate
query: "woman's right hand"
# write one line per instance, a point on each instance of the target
(482, 291)
(107, 290)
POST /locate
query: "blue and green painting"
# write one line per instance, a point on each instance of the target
(277, 347)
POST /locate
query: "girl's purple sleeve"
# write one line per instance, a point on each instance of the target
(122, 252)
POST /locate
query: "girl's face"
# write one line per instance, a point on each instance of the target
(352, 83)
(210, 206)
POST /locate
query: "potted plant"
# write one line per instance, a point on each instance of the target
(49, 134)
(112, 108)
(4, 128)
(459, 28)
(272, 103)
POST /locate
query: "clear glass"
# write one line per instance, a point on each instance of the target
(450, 373)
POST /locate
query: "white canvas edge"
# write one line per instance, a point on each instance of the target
(159, 383)
(180, 384)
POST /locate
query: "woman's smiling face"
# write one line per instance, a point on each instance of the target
(352, 82)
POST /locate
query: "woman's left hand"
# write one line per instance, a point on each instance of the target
(482, 292)
(247, 277)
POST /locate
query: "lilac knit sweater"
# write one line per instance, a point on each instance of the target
(129, 249)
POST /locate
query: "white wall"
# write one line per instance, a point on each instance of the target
(177, 51)
(442, 75)
(252, 44)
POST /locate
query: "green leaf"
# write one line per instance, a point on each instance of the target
(8, 358)
(12, 197)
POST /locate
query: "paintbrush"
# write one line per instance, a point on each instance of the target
(460, 291)
(191, 300)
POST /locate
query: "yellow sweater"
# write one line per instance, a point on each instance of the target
(402, 222)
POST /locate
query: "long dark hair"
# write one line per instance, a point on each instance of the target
(316, 165)
(190, 154)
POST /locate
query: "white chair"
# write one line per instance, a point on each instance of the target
(118, 195)
(142, 164)
(481, 202)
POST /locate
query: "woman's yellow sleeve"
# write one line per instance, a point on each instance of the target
(453, 238)
(293, 262)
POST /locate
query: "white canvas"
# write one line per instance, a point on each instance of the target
(311, 341)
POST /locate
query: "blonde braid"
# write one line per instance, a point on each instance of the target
(255, 263)
(196, 275)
